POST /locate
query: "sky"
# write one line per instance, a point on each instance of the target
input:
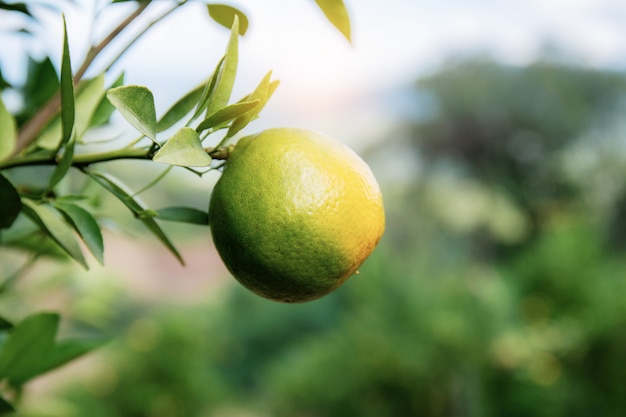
(327, 83)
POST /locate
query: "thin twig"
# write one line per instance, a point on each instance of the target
(82, 160)
(94, 51)
(142, 32)
(78, 160)
(154, 182)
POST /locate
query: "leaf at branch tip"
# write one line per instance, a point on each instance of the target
(10, 203)
(136, 104)
(180, 108)
(183, 149)
(86, 226)
(184, 215)
(209, 87)
(67, 92)
(59, 230)
(68, 115)
(337, 15)
(225, 16)
(225, 78)
(263, 92)
(270, 90)
(227, 114)
(8, 132)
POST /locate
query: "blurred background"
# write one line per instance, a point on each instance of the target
(497, 133)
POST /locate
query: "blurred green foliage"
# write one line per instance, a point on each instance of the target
(532, 134)
(497, 290)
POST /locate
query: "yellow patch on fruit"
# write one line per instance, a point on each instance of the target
(295, 214)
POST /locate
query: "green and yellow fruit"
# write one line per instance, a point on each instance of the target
(295, 214)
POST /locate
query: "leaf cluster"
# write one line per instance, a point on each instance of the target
(52, 171)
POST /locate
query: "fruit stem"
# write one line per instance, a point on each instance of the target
(220, 152)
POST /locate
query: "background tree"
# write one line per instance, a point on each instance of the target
(517, 132)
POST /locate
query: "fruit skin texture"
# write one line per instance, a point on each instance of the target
(295, 214)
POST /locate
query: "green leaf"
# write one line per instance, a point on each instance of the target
(105, 109)
(10, 203)
(67, 92)
(183, 149)
(42, 83)
(136, 104)
(64, 163)
(180, 108)
(144, 215)
(209, 88)
(8, 132)
(226, 75)
(337, 15)
(5, 406)
(62, 353)
(39, 243)
(31, 340)
(226, 114)
(184, 215)
(113, 185)
(90, 93)
(262, 93)
(86, 226)
(67, 115)
(31, 350)
(225, 16)
(53, 224)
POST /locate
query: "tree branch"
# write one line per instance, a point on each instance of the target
(82, 160)
(94, 51)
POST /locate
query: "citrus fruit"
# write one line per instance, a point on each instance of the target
(294, 214)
